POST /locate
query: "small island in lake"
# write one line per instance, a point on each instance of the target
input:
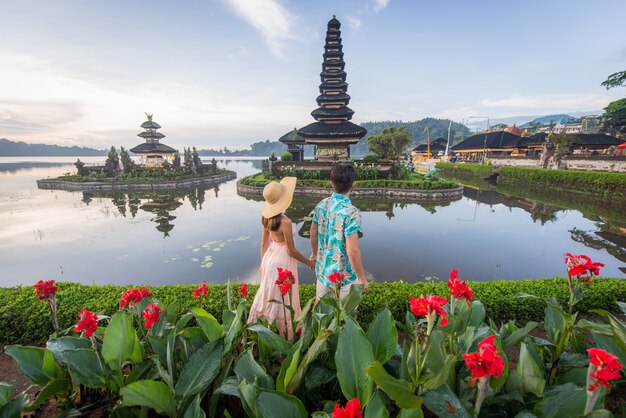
(160, 167)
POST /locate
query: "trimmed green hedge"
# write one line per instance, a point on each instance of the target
(605, 184)
(416, 182)
(465, 169)
(153, 176)
(23, 319)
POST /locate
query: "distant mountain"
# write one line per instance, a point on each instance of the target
(480, 124)
(546, 120)
(22, 149)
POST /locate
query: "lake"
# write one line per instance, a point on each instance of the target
(213, 234)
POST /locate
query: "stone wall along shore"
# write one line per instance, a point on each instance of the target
(93, 186)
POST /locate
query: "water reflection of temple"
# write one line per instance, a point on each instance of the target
(160, 203)
(301, 208)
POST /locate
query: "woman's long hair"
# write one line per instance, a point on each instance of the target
(272, 223)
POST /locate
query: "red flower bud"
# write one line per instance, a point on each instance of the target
(44, 290)
(352, 410)
(152, 315)
(201, 291)
(88, 322)
(243, 289)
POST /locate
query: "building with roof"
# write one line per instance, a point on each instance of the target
(476, 147)
(152, 152)
(332, 133)
(295, 144)
(437, 147)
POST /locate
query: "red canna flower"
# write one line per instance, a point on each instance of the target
(44, 290)
(486, 361)
(335, 278)
(285, 280)
(152, 315)
(424, 306)
(201, 291)
(603, 367)
(133, 296)
(352, 410)
(458, 288)
(578, 265)
(88, 322)
(243, 289)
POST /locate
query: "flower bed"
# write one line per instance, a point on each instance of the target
(443, 356)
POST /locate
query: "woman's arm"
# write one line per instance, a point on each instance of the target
(287, 231)
(264, 241)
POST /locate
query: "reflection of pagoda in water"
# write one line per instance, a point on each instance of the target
(152, 152)
(333, 132)
(161, 204)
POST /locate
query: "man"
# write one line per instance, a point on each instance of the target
(334, 235)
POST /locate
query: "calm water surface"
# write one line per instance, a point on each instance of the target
(213, 234)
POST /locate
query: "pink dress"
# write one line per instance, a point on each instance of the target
(276, 256)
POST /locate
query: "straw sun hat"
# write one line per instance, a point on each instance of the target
(278, 196)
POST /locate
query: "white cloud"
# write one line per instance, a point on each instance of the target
(270, 18)
(353, 22)
(549, 102)
(379, 5)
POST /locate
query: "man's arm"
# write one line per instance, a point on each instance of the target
(313, 239)
(356, 260)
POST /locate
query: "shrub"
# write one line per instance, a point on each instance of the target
(371, 158)
(465, 169)
(19, 305)
(604, 184)
(286, 156)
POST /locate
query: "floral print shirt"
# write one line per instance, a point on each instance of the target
(336, 220)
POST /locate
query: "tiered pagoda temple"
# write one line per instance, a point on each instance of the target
(152, 152)
(333, 132)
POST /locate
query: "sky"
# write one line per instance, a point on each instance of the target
(229, 73)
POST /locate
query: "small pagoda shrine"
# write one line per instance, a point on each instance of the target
(333, 133)
(152, 152)
(295, 144)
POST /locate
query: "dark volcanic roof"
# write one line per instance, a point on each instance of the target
(338, 74)
(151, 135)
(328, 112)
(595, 139)
(149, 124)
(334, 23)
(326, 85)
(332, 130)
(342, 97)
(500, 139)
(147, 148)
(292, 137)
(536, 139)
(438, 144)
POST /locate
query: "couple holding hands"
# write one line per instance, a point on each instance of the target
(334, 245)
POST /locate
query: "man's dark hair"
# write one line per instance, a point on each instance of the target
(342, 177)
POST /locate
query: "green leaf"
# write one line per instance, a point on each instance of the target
(249, 397)
(196, 337)
(228, 387)
(5, 393)
(350, 302)
(151, 394)
(119, 341)
(411, 413)
(527, 376)
(194, 410)
(200, 370)
(400, 391)
(58, 345)
(318, 346)
(54, 387)
(383, 336)
(598, 413)
(212, 329)
(247, 368)
(376, 407)
(14, 408)
(517, 335)
(619, 330)
(35, 363)
(85, 367)
(271, 340)
(568, 401)
(354, 353)
(444, 403)
(273, 404)
(622, 307)
(289, 367)
(234, 329)
(477, 314)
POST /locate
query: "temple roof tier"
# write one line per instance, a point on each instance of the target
(292, 137)
(333, 98)
(334, 23)
(151, 135)
(328, 74)
(333, 39)
(343, 112)
(148, 148)
(326, 85)
(149, 124)
(332, 130)
(332, 65)
(332, 57)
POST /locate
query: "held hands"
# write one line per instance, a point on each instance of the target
(311, 262)
(365, 284)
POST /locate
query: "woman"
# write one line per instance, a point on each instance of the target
(278, 251)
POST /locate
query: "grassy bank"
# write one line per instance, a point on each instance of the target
(416, 181)
(23, 319)
(146, 176)
(462, 170)
(602, 184)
